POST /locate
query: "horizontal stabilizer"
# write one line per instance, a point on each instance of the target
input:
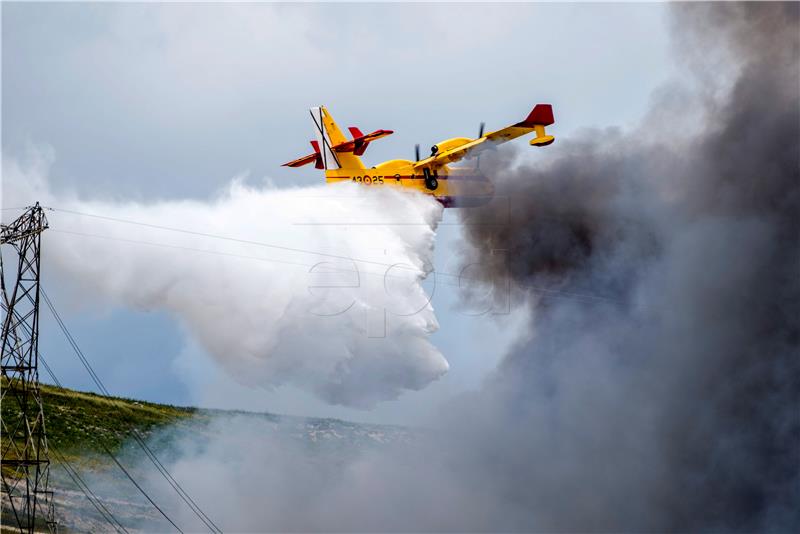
(359, 143)
(316, 157)
(357, 146)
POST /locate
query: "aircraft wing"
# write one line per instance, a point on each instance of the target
(537, 119)
(449, 156)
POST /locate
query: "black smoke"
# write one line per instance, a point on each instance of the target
(672, 402)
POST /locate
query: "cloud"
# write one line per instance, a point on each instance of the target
(164, 100)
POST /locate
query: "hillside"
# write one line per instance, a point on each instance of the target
(80, 424)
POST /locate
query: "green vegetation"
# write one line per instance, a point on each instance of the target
(79, 426)
(79, 422)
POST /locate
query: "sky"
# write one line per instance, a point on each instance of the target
(145, 102)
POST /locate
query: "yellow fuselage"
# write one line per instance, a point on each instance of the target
(457, 186)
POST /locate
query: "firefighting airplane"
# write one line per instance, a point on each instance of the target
(452, 186)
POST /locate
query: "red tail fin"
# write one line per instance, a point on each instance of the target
(542, 115)
(359, 145)
(318, 161)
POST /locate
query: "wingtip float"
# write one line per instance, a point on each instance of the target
(340, 158)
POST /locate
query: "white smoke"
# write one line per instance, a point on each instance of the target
(319, 287)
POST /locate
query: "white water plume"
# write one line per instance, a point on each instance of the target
(319, 287)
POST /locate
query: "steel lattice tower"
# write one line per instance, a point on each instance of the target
(25, 460)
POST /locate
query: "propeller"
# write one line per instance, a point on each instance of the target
(480, 134)
(416, 151)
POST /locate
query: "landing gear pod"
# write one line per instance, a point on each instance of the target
(430, 179)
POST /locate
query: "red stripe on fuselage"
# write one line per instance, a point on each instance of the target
(454, 178)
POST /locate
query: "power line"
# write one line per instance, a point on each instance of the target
(240, 256)
(175, 485)
(110, 454)
(87, 491)
(544, 291)
(114, 458)
(188, 249)
(140, 488)
(215, 236)
(547, 292)
(137, 437)
(135, 433)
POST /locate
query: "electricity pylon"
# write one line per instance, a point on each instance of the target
(25, 459)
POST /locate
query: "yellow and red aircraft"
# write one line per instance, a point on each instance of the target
(452, 186)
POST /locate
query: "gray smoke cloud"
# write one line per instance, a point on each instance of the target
(675, 405)
(669, 404)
